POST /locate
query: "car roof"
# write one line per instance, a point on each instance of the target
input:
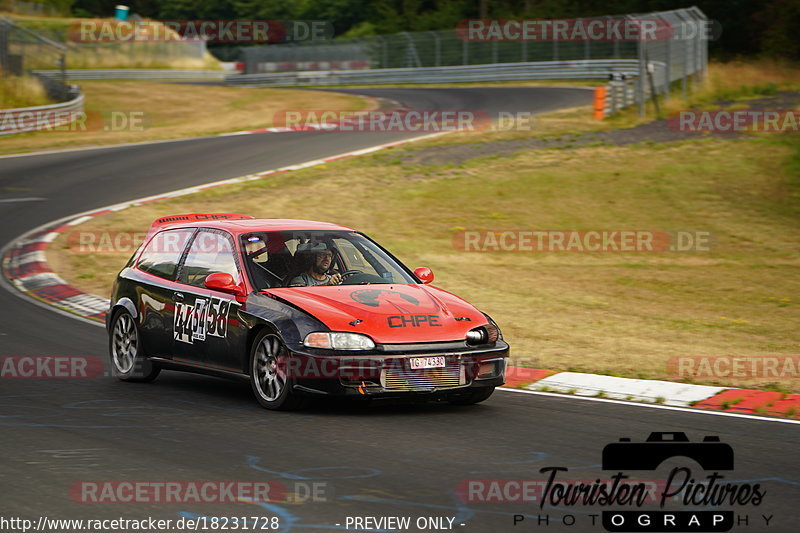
(263, 224)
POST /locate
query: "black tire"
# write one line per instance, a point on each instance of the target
(271, 386)
(128, 360)
(472, 396)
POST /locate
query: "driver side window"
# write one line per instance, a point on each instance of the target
(209, 252)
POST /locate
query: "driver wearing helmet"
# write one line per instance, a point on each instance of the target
(318, 258)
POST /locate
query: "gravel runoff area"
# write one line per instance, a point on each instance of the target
(657, 131)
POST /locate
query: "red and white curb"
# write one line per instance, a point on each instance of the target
(665, 393)
(25, 266)
(325, 126)
(284, 129)
(639, 390)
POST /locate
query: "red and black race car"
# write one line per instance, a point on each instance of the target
(300, 309)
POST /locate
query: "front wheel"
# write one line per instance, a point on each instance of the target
(268, 378)
(471, 396)
(128, 360)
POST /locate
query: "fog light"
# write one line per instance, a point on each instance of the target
(487, 370)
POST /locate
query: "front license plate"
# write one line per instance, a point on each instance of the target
(427, 362)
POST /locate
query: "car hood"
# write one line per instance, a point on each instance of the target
(387, 313)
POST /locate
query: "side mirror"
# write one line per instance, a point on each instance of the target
(223, 282)
(424, 274)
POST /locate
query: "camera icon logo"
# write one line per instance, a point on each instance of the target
(710, 454)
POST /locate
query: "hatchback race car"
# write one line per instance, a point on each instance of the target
(300, 309)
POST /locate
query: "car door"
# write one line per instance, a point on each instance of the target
(156, 271)
(207, 320)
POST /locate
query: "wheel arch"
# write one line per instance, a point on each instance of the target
(123, 303)
(254, 332)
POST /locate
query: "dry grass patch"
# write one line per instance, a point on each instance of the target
(21, 91)
(734, 80)
(174, 111)
(623, 314)
(91, 44)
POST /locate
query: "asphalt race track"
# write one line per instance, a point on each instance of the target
(335, 460)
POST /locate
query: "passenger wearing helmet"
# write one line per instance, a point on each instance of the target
(314, 261)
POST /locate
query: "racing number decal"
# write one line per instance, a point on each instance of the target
(194, 322)
(198, 331)
(218, 317)
(190, 321)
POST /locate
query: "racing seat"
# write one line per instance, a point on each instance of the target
(261, 278)
(299, 263)
(270, 273)
(279, 263)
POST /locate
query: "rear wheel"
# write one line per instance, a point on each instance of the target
(128, 360)
(471, 396)
(268, 378)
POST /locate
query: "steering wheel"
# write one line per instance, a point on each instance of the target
(347, 273)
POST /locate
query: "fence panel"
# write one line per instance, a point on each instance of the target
(678, 52)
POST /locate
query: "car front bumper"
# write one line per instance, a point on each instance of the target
(389, 374)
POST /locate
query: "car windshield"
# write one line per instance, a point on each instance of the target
(307, 258)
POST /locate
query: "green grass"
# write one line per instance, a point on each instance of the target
(727, 404)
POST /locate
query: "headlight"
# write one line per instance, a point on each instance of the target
(493, 331)
(483, 335)
(338, 341)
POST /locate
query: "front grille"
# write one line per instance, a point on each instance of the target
(397, 377)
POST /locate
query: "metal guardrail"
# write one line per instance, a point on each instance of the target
(421, 49)
(541, 70)
(651, 68)
(680, 48)
(41, 117)
(619, 95)
(137, 74)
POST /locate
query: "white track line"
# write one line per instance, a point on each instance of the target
(14, 200)
(654, 406)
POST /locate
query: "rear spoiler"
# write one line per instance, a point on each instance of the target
(192, 217)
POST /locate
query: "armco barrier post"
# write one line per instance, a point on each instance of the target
(599, 102)
(614, 94)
